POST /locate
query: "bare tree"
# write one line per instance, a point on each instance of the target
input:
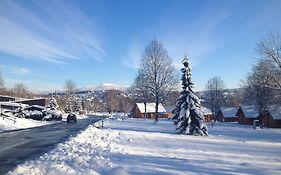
(261, 87)
(2, 84)
(270, 48)
(96, 105)
(125, 104)
(112, 103)
(158, 72)
(20, 90)
(214, 94)
(70, 87)
(140, 92)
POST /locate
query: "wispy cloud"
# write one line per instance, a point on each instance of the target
(14, 70)
(197, 38)
(53, 31)
(133, 56)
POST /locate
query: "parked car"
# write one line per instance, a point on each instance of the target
(71, 118)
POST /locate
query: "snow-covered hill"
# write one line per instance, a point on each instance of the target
(105, 86)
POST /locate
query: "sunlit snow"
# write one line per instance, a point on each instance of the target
(138, 146)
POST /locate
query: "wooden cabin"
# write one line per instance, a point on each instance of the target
(138, 111)
(272, 117)
(247, 114)
(227, 114)
(208, 115)
(35, 101)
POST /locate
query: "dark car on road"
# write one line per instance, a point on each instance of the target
(71, 118)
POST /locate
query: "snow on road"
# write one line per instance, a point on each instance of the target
(137, 146)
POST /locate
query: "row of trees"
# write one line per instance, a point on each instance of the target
(109, 101)
(70, 101)
(18, 90)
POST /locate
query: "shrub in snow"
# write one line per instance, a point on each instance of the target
(35, 115)
(188, 115)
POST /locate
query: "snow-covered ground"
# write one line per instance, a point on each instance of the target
(21, 123)
(136, 146)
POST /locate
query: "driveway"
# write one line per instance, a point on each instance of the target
(20, 145)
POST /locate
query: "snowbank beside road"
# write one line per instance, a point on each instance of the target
(21, 123)
(87, 153)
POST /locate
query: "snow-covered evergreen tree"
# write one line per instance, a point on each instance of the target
(77, 105)
(53, 102)
(188, 114)
(68, 106)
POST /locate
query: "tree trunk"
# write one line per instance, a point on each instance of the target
(156, 111)
(145, 114)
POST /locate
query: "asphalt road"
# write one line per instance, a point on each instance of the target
(20, 145)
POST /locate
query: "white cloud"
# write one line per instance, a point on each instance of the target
(59, 31)
(14, 70)
(17, 70)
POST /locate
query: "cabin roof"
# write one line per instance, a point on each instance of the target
(275, 112)
(169, 108)
(205, 110)
(250, 111)
(229, 111)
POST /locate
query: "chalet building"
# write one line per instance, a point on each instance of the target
(247, 115)
(208, 116)
(138, 111)
(272, 117)
(227, 114)
(38, 101)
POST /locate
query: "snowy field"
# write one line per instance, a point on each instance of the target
(136, 146)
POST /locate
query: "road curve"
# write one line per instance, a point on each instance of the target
(20, 145)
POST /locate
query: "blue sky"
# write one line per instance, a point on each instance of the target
(43, 43)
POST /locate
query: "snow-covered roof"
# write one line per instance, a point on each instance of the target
(150, 108)
(275, 112)
(35, 106)
(169, 108)
(10, 104)
(250, 111)
(205, 110)
(229, 111)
